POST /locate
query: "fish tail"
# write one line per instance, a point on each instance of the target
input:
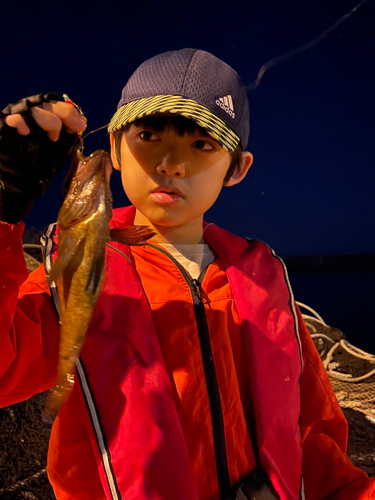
(55, 397)
(59, 392)
(52, 406)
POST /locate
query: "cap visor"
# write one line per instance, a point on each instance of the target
(178, 105)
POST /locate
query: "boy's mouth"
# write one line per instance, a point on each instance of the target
(164, 195)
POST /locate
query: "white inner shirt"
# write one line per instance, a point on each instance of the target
(194, 258)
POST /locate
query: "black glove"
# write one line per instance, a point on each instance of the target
(28, 163)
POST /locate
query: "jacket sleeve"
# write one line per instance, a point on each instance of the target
(29, 329)
(328, 473)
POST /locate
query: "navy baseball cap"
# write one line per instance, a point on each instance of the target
(192, 83)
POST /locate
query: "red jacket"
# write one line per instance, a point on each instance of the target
(123, 419)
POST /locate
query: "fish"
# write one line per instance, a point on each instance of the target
(84, 231)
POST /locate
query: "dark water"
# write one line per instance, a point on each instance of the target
(344, 298)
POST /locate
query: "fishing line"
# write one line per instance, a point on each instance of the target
(277, 60)
(81, 138)
(92, 131)
(80, 143)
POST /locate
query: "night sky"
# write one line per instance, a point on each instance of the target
(311, 187)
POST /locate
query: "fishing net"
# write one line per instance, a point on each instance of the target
(23, 435)
(361, 441)
(23, 450)
(352, 375)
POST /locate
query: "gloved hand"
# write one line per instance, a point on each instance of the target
(36, 135)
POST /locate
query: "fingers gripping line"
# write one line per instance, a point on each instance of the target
(51, 116)
(36, 136)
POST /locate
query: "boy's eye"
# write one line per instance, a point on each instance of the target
(204, 145)
(147, 135)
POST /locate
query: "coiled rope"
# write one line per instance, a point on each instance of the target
(328, 362)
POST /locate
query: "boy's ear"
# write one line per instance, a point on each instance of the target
(240, 173)
(114, 159)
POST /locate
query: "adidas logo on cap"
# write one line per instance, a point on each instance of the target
(226, 104)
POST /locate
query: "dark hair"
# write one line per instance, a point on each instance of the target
(180, 125)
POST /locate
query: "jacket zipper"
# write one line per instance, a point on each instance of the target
(195, 286)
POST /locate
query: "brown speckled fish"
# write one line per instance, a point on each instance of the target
(79, 268)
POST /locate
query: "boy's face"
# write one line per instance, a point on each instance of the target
(172, 180)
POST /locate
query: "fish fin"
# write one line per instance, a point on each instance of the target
(131, 235)
(64, 255)
(95, 274)
(82, 206)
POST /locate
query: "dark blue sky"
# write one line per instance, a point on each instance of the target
(311, 188)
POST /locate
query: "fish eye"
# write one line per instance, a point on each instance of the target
(203, 145)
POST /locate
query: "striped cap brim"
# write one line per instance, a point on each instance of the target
(180, 106)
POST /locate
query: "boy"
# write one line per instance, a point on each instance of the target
(197, 370)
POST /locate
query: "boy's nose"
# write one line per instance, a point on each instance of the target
(171, 165)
